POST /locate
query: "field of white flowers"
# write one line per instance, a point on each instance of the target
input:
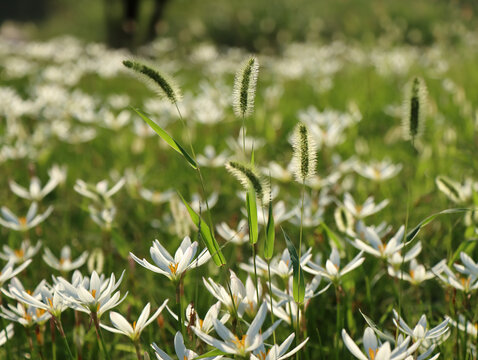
(209, 203)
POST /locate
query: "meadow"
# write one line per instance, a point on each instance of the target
(350, 233)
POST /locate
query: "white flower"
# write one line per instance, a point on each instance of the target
(35, 192)
(421, 331)
(181, 351)
(366, 209)
(171, 267)
(211, 158)
(238, 291)
(378, 171)
(376, 247)
(91, 295)
(332, 270)
(27, 316)
(231, 344)
(466, 283)
(44, 297)
(65, 263)
(240, 235)
(99, 192)
(464, 325)
(416, 275)
(278, 352)
(206, 325)
(25, 252)
(58, 173)
(6, 334)
(9, 272)
(377, 351)
(11, 221)
(122, 326)
(103, 218)
(156, 197)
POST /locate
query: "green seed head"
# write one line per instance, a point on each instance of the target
(304, 156)
(245, 88)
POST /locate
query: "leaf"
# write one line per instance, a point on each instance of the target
(414, 232)
(206, 235)
(332, 236)
(251, 206)
(375, 328)
(121, 244)
(466, 246)
(270, 235)
(298, 288)
(215, 352)
(166, 137)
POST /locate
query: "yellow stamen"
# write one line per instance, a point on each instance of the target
(51, 302)
(40, 312)
(382, 248)
(22, 220)
(134, 325)
(19, 253)
(200, 323)
(372, 353)
(173, 267)
(93, 292)
(412, 274)
(240, 343)
(465, 282)
(358, 208)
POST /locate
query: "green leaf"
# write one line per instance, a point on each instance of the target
(166, 137)
(466, 246)
(414, 232)
(270, 235)
(376, 329)
(298, 288)
(251, 206)
(211, 353)
(332, 236)
(207, 235)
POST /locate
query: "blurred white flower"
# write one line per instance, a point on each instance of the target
(35, 192)
(25, 252)
(11, 221)
(64, 263)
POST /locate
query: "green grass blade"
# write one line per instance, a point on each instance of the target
(207, 235)
(166, 137)
(251, 205)
(298, 288)
(270, 235)
(414, 232)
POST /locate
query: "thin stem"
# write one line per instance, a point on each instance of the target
(297, 339)
(338, 323)
(179, 308)
(30, 340)
(59, 326)
(255, 271)
(270, 294)
(137, 347)
(53, 338)
(94, 317)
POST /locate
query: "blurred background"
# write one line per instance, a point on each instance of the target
(251, 24)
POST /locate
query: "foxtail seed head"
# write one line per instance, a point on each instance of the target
(414, 109)
(162, 83)
(304, 159)
(249, 177)
(245, 88)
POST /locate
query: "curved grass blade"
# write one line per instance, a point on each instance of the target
(298, 288)
(166, 137)
(207, 235)
(414, 232)
(270, 235)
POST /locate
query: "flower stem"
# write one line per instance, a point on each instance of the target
(137, 347)
(94, 317)
(179, 307)
(297, 338)
(59, 326)
(53, 338)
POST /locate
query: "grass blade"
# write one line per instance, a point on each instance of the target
(270, 235)
(298, 288)
(206, 235)
(166, 137)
